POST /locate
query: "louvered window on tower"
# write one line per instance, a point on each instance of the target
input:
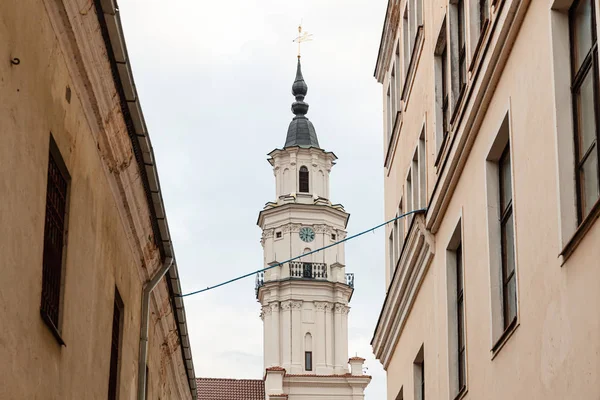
(303, 180)
(54, 239)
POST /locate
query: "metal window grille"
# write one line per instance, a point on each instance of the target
(113, 376)
(54, 234)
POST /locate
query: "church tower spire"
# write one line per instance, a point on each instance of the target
(305, 303)
(301, 131)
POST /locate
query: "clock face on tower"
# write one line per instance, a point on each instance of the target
(307, 234)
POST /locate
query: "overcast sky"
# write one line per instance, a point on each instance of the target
(214, 78)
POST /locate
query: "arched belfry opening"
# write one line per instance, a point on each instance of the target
(303, 180)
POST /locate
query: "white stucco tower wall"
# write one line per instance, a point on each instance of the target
(305, 302)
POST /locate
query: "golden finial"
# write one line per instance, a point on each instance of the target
(302, 37)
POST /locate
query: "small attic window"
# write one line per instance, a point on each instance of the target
(278, 235)
(303, 180)
(333, 236)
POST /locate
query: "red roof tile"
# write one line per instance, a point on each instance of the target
(230, 389)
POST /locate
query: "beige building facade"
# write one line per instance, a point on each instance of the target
(89, 295)
(491, 127)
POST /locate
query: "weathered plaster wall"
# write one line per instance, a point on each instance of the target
(109, 234)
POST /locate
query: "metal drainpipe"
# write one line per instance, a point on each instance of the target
(148, 287)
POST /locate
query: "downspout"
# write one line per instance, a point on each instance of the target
(148, 287)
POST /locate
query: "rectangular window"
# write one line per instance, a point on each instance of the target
(509, 287)
(409, 197)
(115, 348)
(422, 171)
(394, 97)
(400, 228)
(419, 375)
(391, 254)
(54, 240)
(457, 366)
(398, 77)
(586, 103)
(308, 360)
(501, 237)
(441, 91)
(406, 37)
(400, 395)
(484, 13)
(389, 115)
(460, 321)
(462, 46)
(457, 51)
(415, 179)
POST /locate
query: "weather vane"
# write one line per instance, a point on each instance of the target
(302, 37)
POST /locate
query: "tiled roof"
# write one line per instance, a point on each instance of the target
(230, 389)
(356, 359)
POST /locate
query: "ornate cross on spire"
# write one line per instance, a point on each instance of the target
(302, 37)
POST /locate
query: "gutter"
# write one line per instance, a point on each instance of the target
(143, 358)
(112, 32)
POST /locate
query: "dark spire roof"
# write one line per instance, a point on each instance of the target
(301, 131)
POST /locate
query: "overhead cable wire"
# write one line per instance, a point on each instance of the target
(302, 255)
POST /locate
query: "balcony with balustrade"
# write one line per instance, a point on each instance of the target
(303, 270)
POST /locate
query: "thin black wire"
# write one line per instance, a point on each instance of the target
(300, 256)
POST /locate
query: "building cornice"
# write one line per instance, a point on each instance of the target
(415, 258)
(333, 210)
(338, 287)
(388, 36)
(486, 70)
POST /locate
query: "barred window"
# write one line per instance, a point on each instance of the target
(115, 347)
(54, 239)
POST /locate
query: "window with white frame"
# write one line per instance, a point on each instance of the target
(457, 366)
(586, 104)
(441, 89)
(422, 171)
(501, 236)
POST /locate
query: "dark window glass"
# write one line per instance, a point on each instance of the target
(484, 8)
(54, 234)
(462, 52)
(460, 320)
(423, 380)
(445, 104)
(507, 240)
(113, 375)
(303, 179)
(308, 360)
(584, 87)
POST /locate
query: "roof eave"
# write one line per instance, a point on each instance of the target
(112, 32)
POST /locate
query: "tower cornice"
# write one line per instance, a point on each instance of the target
(310, 208)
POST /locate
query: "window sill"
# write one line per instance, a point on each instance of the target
(53, 329)
(506, 335)
(579, 234)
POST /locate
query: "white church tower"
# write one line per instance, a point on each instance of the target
(305, 302)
